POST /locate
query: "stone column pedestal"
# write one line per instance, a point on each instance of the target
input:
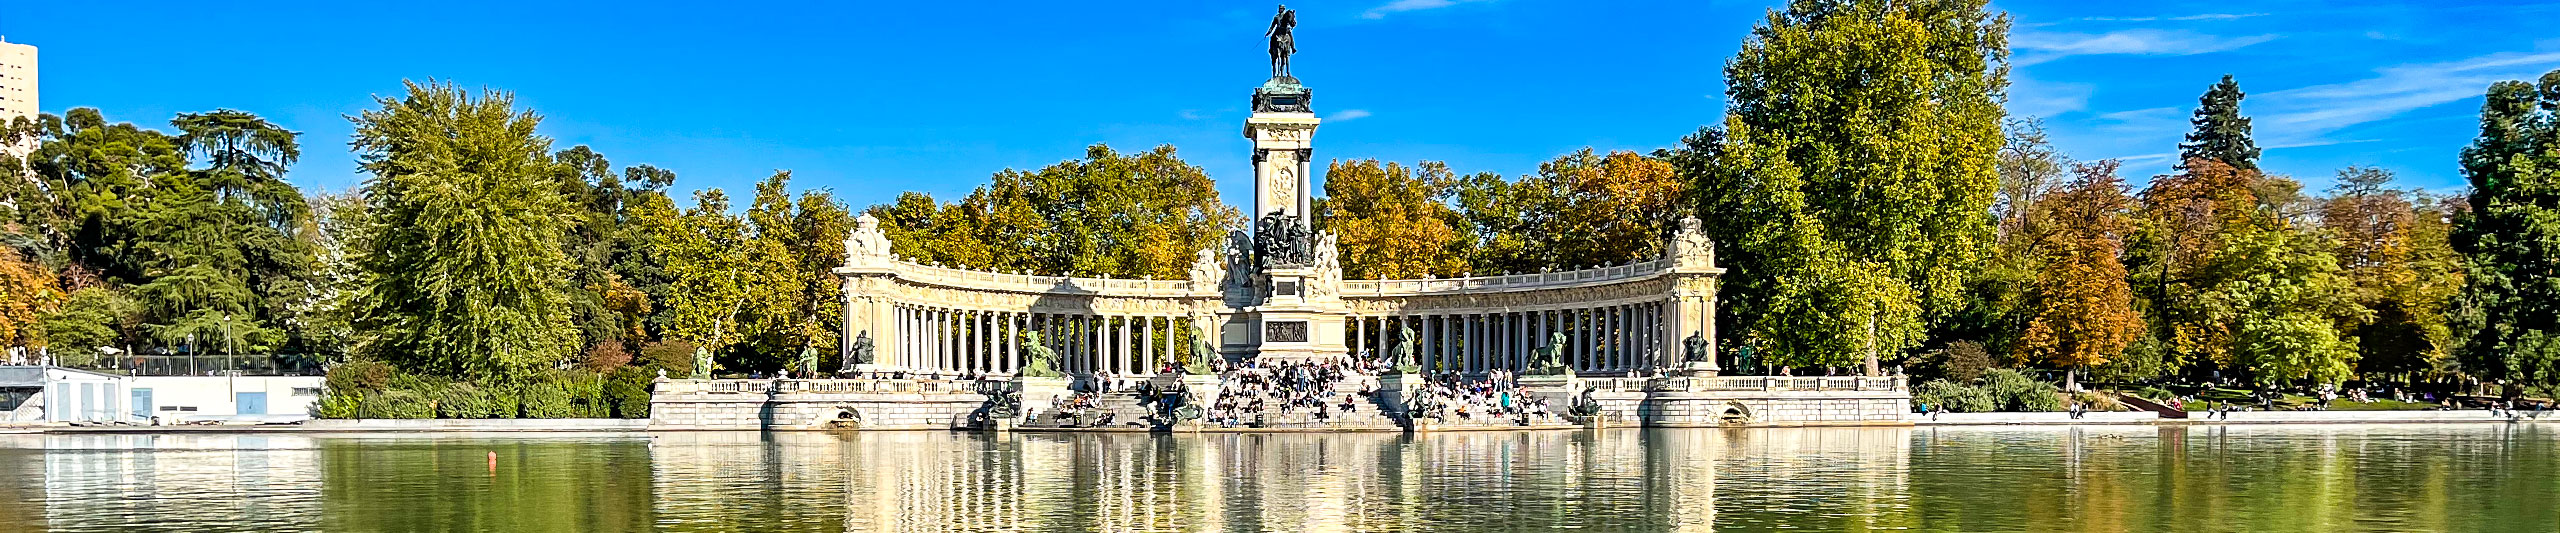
(1039, 393)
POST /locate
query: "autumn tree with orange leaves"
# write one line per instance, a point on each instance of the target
(2083, 312)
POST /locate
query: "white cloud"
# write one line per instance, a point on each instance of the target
(1192, 114)
(2139, 160)
(2046, 46)
(1400, 6)
(2145, 120)
(2305, 116)
(2206, 16)
(2033, 97)
(1348, 114)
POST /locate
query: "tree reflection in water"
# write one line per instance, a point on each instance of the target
(2318, 478)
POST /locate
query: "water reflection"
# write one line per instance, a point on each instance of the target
(2447, 477)
(932, 481)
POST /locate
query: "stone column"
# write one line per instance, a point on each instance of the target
(1580, 336)
(1306, 215)
(1617, 336)
(1468, 342)
(1359, 344)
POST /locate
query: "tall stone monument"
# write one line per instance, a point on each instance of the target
(1294, 308)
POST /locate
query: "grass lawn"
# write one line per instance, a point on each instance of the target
(2289, 401)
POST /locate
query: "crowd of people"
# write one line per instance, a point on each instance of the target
(1494, 397)
(1254, 389)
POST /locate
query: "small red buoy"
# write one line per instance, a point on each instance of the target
(493, 462)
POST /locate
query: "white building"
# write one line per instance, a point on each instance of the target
(226, 398)
(39, 394)
(17, 79)
(18, 88)
(51, 394)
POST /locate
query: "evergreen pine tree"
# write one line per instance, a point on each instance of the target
(2221, 133)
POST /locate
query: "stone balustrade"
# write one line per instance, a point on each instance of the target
(828, 386)
(1513, 282)
(911, 272)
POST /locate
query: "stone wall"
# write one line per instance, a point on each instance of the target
(812, 404)
(1735, 401)
(478, 425)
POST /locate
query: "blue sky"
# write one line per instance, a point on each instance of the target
(870, 99)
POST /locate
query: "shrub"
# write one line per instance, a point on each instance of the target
(2014, 391)
(359, 376)
(626, 392)
(395, 404)
(675, 356)
(2097, 401)
(1953, 397)
(338, 403)
(586, 395)
(1963, 361)
(605, 357)
(564, 395)
(465, 400)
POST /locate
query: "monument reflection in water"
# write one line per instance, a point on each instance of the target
(2447, 477)
(917, 481)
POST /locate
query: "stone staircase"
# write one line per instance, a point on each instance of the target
(1121, 410)
(1368, 415)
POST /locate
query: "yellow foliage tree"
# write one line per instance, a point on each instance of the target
(2083, 312)
(27, 293)
(1581, 210)
(1394, 221)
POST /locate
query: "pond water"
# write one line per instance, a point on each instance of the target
(2453, 477)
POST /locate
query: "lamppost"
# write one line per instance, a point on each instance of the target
(230, 345)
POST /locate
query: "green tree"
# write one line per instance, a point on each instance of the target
(817, 234)
(1852, 179)
(466, 273)
(91, 318)
(2394, 245)
(211, 255)
(2221, 133)
(2282, 305)
(635, 258)
(1503, 219)
(2507, 316)
(709, 282)
(2187, 221)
